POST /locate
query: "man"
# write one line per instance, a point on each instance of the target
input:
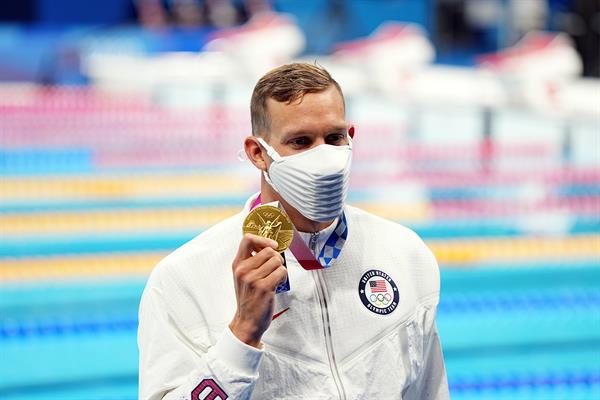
(211, 323)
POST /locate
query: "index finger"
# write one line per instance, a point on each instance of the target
(250, 243)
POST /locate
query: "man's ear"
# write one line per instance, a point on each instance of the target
(255, 154)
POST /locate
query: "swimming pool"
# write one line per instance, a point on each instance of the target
(83, 224)
(514, 333)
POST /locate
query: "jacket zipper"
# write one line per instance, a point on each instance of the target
(326, 323)
(312, 242)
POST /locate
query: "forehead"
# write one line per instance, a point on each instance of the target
(312, 113)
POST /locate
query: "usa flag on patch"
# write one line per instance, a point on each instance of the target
(378, 286)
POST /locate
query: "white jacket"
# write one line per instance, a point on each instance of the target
(331, 343)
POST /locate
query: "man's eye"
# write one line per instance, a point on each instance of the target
(336, 138)
(301, 141)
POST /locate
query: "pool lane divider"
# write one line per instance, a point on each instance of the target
(197, 218)
(522, 310)
(23, 258)
(127, 203)
(148, 219)
(583, 246)
(114, 186)
(227, 181)
(121, 220)
(39, 269)
(534, 382)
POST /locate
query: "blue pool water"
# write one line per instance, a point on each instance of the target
(508, 333)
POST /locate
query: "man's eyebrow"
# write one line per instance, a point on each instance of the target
(339, 129)
(300, 132)
(303, 132)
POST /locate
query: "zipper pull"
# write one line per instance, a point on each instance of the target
(312, 243)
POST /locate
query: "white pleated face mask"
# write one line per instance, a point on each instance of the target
(314, 182)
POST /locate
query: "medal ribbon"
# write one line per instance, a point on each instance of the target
(330, 251)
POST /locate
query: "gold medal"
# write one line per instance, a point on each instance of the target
(272, 223)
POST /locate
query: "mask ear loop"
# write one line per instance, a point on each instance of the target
(241, 156)
(274, 156)
(270, 151)
(350, 136)
(350, 141)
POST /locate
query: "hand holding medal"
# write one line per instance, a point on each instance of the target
(258, 270)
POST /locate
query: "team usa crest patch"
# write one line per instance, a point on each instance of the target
(378, 292)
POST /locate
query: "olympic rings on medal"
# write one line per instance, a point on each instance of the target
(388, 297)
(373, 298)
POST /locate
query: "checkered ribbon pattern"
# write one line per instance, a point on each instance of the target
(335, 242)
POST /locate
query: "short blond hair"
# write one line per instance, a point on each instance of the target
(286, 83)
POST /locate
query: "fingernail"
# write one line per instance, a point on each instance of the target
(273, 243)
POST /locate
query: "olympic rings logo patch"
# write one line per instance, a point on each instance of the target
(378, 292)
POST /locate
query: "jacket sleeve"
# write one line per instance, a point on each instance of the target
(174, 366)
(431, 383)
